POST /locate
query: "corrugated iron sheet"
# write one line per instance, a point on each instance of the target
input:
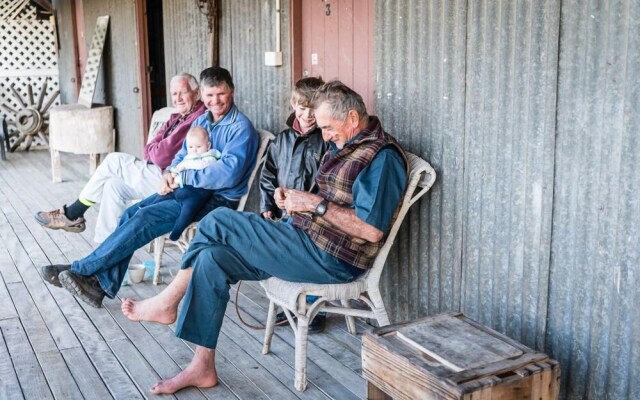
(594, 322)
(480, 106)
(420, 98)
(512, 50)
(262, 91)
(186, 40)
(529, 112)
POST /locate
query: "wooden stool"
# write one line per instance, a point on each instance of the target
(450, 356)
(74, 128)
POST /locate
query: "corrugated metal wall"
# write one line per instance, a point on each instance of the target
(529, 112)
(185, 37)
(423, 105)
(481, 108)
(247, 32)
(512, 50)
(594, 321)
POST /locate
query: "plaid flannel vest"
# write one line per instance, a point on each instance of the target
(335, 180)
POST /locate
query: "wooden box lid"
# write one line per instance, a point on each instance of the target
(448, 353)
(455, 343)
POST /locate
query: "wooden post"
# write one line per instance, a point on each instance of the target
(94, 161)
(214, 33)
(56, 175)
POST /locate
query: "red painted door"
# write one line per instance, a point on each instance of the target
(337, 43)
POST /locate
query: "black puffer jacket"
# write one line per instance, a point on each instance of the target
(292, 162)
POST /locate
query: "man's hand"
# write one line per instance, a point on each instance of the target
(167, 184)
(279, 197)
(343, 218)
(298, 201)
(267, 215)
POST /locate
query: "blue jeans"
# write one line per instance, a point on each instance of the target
(231, 246)
(140, 224)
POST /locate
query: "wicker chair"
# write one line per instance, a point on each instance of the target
(159, 118)
(334, 298)
(190, 231)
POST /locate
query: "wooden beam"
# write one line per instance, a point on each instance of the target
(214, 33)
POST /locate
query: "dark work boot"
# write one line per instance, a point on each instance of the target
(50, 273)
(318, 323)
(86, 288)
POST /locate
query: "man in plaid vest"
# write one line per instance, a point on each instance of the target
(333, 236)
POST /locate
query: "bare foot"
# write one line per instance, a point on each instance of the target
(152, 309)
(199, 373)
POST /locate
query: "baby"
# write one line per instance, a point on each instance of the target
(200, 154)
(191, 198)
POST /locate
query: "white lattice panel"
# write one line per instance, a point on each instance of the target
(28, 56)
(16, 10)
(27, 45)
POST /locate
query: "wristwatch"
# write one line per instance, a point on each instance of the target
(321, 208)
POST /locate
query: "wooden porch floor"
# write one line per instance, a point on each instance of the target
(54, 346)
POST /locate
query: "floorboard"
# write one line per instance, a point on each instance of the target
(9, 384)
(29, 372)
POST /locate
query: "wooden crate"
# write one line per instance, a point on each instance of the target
(450, 356)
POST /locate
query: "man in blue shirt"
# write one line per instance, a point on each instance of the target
(230, 132)
(333, 235)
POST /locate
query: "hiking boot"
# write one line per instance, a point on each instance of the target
(86, 288)
(50, 273)
(56, 219)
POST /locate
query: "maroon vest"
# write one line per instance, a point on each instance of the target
(335, 180)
